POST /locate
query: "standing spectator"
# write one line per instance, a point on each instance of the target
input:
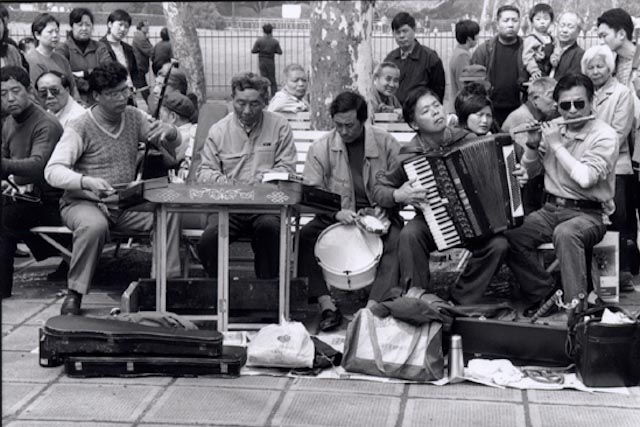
(162, 51)
(419, 65)
(28, 137)
(4, 17)
(53, 91)
(502, 57)
(538, 44)
(118, 23)
(83, 53)
(177, 110)
(466, 35)
(45, 29)
(266, 47)
(291, 98)
(96, 152)
(143, 50)
(567, 55)
(615, 29)
(9, 52)
(613, 104)
(241, 148)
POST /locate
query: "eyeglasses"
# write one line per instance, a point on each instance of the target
(124, 93)
(54, 91)
(566, 105)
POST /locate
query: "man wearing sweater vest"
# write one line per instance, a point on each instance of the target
(28, 136)
(96, 153)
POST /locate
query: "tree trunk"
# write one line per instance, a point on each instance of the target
(186, 45)
(341, 54)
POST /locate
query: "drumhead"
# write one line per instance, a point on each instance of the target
(347, 248)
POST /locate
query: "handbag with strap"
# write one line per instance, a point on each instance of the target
(606, 355)
(387, 347)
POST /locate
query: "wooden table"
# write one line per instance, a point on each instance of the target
(286, 199)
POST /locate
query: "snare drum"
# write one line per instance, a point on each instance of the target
(348, 256)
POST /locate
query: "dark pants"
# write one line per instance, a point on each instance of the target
(573, 232)
(414, 248)
(268, 69)
(264, 231)
(533, 194)
(624, 221)
(17, 219)
(387, 271)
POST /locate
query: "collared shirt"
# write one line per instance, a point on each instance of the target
(230, 154)
(70, 111)
(327, 166)
(284, 102)
(595, 146)
(421, 68)
(613, 104)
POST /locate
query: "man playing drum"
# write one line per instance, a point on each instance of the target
(346, 161)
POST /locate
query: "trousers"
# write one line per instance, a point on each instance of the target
(264, 231)
(91, 225)
(574, 233)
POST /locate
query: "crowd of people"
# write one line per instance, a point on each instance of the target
(71, 132)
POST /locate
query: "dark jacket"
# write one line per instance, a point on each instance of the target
(162, 53)
(422, 68)
(95, 54)
(132, 65)
(142, 49)
(569, 62)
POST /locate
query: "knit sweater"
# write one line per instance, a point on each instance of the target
(87, 148)
(27, 143)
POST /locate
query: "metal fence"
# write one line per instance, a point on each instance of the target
(227, 52)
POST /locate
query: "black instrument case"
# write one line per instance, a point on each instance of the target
(65, 336)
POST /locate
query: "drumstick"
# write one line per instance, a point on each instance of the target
(562, 122)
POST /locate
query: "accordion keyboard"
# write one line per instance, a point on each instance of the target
(441, 225)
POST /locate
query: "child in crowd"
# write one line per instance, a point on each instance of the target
(538, 44)
(386, 79)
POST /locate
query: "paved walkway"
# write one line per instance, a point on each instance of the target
(36, 396)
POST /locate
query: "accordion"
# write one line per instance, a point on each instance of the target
(471, 190)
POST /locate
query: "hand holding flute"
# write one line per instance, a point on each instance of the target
(535, 130)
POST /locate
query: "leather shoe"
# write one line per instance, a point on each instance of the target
(330, 320)
(533, 309)
(71, 304)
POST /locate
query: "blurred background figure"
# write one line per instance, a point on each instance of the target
(267, 47)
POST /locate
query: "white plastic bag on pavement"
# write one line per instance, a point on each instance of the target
(287, 345)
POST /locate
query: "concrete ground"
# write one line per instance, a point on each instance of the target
(36, 396)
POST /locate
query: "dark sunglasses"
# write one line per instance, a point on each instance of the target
(566, 105)
(54, 91)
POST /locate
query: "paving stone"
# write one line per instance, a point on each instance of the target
(23, 338)
(465, 391)
(51, 311)
(29, 423)
(351, 386)
(209, 406)
(159, 380)
(583, 416)
(16, 395)
(91, 402)
(24, 367)
(580, 398)
(429, 412)
(254, 381)
(101, 298)
(17, 311)
(6, 328)
(308, 409)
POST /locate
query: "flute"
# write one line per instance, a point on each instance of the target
(562, 122)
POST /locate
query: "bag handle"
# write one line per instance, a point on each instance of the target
(377, 354)
(434, 327)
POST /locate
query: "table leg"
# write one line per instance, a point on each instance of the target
(285, 248)
(161, 260)
(223, 269)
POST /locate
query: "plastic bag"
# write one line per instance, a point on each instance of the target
(287, 345)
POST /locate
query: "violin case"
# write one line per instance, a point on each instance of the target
(226, 365)
(62, 337)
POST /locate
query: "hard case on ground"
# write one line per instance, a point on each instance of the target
(65, 336)
(226, 365)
